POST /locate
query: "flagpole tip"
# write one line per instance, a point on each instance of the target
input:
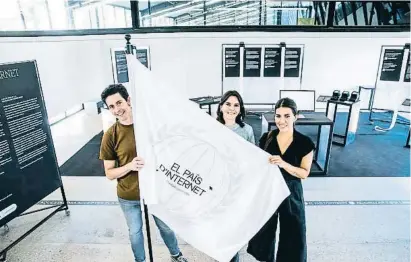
(129, 46)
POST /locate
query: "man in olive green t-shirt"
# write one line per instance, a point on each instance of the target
(118, 150)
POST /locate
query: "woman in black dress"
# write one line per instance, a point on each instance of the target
(292, 152)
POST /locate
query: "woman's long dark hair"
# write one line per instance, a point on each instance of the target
(240, 118)
(287, 102)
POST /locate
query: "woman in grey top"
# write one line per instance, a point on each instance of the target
(231, 113)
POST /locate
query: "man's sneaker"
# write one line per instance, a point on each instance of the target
(178, 258)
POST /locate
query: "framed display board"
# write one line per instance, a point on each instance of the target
(259, 71)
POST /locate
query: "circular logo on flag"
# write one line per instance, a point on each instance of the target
(192, 175)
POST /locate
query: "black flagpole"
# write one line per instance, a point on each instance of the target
(130, 50)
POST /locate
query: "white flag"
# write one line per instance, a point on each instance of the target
(213, 188)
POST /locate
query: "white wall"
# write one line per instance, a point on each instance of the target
(76, 69)
(71, 134)
(70, 71)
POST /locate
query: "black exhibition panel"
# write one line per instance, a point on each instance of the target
(292, 62)
(121, 66)
(28, 164)
(252, 62)
(407, 70)
(232, 62)
(272, 62)
(391, 65)
(142, 56)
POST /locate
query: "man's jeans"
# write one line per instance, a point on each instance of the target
(133, 214)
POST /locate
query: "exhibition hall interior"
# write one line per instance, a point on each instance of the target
(345, 64)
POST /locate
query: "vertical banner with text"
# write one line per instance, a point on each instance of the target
(391, 85)
(28, 165)
(142, 56)
(252, 62)
(272, 62)
(391, 65)
(119, 62)
(259, 71)
(232, 62)
(292, 62)
(121, 70)
(407, 70)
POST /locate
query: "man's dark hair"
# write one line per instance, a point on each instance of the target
(114, 89)
(240, 118)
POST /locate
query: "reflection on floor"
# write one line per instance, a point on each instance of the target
(348, 219)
